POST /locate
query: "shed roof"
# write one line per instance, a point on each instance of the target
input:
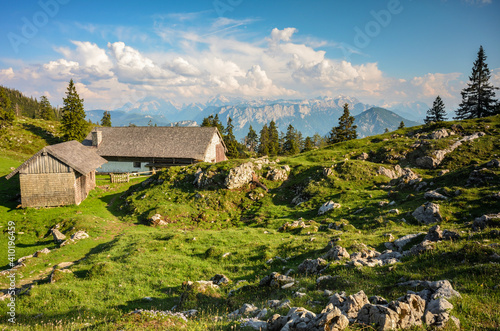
(72, 153)
(155, 142)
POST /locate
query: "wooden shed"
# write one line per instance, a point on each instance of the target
(61, 174)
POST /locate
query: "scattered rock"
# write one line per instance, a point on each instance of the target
(441, 133)
(275, 280)
(435, 234)
(292, 226)
(433, 195)
(239, 176)
(387, 172)
(327, 172)
(310, 266)
(80, 235)
(480, 177)
(363, 156)
(428, 213)
(220, 279)
(58, 236)
(278, 175)
(157, 220)
(353, 304)
(336, 253)
(485, 221)
(327, 206)
(443, 172)
(40, 252)
(495, 163)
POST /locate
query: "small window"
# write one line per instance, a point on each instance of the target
(137, 164)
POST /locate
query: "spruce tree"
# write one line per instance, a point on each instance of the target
(274, 139)
(401, 125)
(437, 112)
(264, 141)
(208, 121)
(230, 140)
(6, 112)
(290, 145)
(106, 119)
(345, 130)
(478, 98)
(308, 144)
(251, 139)
(46, 111)
(74, 126)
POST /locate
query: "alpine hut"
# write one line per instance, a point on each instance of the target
(61, 174)
(137, 149)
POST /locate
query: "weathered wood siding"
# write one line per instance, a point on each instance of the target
(44, 190)
(45, 164)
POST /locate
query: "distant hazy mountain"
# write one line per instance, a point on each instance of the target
(375, 120)
(309, 116)
(415, 111)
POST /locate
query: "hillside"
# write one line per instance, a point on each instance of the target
(376, 120)
(399, 230)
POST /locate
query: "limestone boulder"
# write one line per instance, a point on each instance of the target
(428, 213)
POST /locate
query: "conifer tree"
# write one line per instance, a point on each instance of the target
(437, 112)
(291, 144)
(264, 141)
(478, 98)
(345, 130)
(46, 111)
(6, 112)
(308, 144)
(106, 119)
(208, 121)
(274, 142)
(230, 140)
(251, 139)
(74, 126)
(401, 125)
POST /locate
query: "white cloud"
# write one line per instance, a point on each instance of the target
(6, 74)
(93, 60)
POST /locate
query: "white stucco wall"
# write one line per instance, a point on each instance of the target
(210, 156)
(120, 166)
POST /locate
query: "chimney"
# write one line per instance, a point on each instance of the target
(96, 138)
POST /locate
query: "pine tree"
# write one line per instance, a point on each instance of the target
(401, 125)
(251, 139)
(264, 141)
(308, 144)
(106, 119)
(345, 130)
(217, 123)
(6, 112)
(478, 97)
(274, 142)
(46, 111)
(290, 145)
(230, 140)
(74, 126)
(207, 121)
(437, 112)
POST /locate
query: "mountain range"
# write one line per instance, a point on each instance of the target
(309, 116)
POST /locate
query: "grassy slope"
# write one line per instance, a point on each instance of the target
(125, 261)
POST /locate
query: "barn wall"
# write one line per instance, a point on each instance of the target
(212, 155)
(45, 190)
(44, 164)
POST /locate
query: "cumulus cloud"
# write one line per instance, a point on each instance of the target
(92, 60)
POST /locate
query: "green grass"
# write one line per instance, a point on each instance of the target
(214, 230)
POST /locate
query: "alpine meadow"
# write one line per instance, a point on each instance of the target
(247, 165)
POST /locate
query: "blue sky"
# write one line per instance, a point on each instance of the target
(382, 52)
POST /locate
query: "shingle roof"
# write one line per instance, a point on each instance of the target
(154, 142)
(72, 153)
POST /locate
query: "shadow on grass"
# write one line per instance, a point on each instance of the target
(10, 192)
(49, 139)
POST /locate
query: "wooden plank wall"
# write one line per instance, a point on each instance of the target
(44, 164)
(44, 190)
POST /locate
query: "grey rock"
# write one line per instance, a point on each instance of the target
(336, 253)
(254, 323)
(433, 195)
(410, 310)
(275, 280)
(428, 213)
(441, 133)
(40, 252)
(377, 300)
(495, 163)
(363, 156)
(328, 172)
(401, 242)
(310, 266)
(327, 206)
(387, 172)
(58, 236)
(382, 317)
(353, 304)
(277, 175)
(239, 176)
(80, 235)
(220, 279)
(484, 221)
